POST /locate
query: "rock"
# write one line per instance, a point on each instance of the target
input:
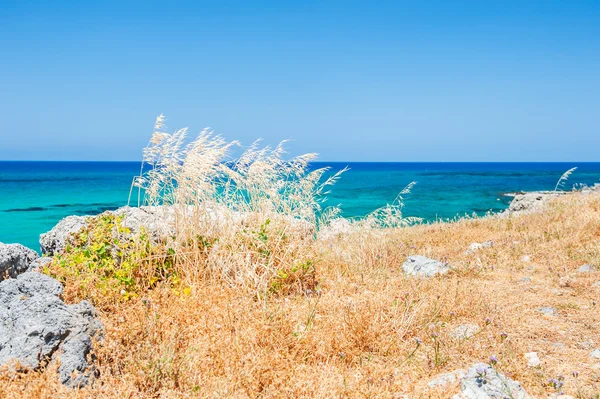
(547, 311)
(476, 246)
(442, 380)
(531, 202)
(585, 344)
(525, 280)
(15, 259)
(465, 331)
(596, 284)
(484, 382)
(421, 266)
(532, 359)
(595, 354)
(38, 264)
(36, 326)
(526, 258)
(56, 240)
(156, 220)
(586, 269)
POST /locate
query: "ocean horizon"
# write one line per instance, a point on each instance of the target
(35, 195)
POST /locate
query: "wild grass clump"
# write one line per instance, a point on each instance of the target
(259, 211)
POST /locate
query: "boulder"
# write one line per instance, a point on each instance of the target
(15, 259)
(531, 202)
(56, 240)
(421, 266)
(485, 382)
(36, 327)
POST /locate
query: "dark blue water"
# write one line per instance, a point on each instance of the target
(36, 195)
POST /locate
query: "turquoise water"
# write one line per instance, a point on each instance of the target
(34, 196)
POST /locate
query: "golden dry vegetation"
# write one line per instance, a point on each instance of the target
(365, 330)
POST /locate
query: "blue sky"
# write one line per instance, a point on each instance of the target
(352, 80)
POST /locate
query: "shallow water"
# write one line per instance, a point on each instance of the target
(34, 196)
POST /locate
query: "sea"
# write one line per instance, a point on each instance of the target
(34, 196)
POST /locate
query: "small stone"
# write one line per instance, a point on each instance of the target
(532, 359)
(476, 246)
(465, 331)
(595, 354)
(586, 344)
(559, 346)
(422, 266)
(525, 280)
(525, 258)
(547, 311)
(586, 269)
(596, 284)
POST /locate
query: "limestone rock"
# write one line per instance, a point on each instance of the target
(547, 311)
(38, 264)
(484, 382)
(595, 354)
(421, 266)
(476, 246)
(15, 259)
(530, 202)
(56, 240)
(532, 359)
(36, 326)
(586, 269)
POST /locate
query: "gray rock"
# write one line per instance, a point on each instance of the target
(56, 240)
(586, 269)
(465, 331)
(15, 259)
(476, 246)
(421, 266)
(442, 380)
(547, 311)
(531, 202)
(38, 264)
(484, 382)
(532, 358)
(595, 354)
(36, 326)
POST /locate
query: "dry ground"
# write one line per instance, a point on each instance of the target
(369, 331)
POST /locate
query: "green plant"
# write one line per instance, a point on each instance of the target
(107, 262)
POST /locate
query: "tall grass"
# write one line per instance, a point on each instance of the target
(242, 218)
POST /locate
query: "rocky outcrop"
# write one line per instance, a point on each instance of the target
(38, 264)
(485, 382)
(36, 327)
(56, 240)
(421, 266)
(531, 202)
(15, 259)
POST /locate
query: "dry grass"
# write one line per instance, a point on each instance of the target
(356, 336)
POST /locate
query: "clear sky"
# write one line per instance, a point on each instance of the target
(352, 80)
